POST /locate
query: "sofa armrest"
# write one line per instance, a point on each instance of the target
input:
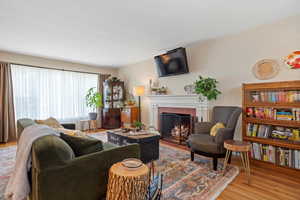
(70, 126)
(224, 134)
(203, 127)
(88, 175)
(22, 124)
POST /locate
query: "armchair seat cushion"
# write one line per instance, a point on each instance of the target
(203, 142)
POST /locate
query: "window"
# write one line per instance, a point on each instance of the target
(41, 93)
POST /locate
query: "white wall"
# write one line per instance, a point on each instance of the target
(229, 59)
(51, 63)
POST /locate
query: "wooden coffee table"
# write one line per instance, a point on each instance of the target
(243, 148)
(149, 143)
(128, 184)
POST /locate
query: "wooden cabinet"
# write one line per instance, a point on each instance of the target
(129, 115)
(113, 97)
(114, 94)
(111, 118)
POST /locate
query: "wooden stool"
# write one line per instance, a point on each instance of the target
(127, 184)
(243, 148)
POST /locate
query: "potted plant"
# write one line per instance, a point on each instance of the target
(207, 87)
(138, 125)
(93, 101)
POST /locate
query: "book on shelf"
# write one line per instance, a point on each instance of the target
(263, 152)
(275, 132)
(275, 96)
(273, 113)
(255, 130)
(277, 155)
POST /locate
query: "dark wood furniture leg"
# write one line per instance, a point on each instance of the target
(211, 155)
(192, 155)
(215, 163)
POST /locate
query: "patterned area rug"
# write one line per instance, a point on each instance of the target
(7, 162)
(183, 179)
(186, 180)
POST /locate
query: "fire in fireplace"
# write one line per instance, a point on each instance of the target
(175, 127)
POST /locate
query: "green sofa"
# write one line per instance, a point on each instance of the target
(58, 175)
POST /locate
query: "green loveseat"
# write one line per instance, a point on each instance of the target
(58, 175)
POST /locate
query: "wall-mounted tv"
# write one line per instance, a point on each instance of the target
(173, 62)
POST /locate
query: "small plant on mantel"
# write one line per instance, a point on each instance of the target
(207, 87)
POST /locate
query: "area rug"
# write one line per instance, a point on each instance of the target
(7, 162)
(182, 179)
(187, 180)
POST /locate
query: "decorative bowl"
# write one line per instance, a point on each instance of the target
(132, 163)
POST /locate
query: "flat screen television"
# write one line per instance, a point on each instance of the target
(173, 62)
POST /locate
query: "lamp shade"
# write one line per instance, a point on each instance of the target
(139, 90)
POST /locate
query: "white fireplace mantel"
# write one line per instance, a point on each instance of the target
(177, 101)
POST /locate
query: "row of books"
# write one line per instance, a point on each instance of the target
(273, 113)
(263, 152)
(275, 96)
(278, 155)
(276, 132)
(255, 130)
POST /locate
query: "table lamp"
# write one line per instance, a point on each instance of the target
(139, 91)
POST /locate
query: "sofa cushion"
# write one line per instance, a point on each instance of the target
(51, 122)
(203, 142)
(50, 150)
(108, 145)
(82, 145)
(77, 133)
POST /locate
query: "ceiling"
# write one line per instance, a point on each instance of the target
(120, 32)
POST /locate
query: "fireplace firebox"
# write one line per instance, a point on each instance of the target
(175, 127)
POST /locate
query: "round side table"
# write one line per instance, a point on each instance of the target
(243, 148)
(128, 184)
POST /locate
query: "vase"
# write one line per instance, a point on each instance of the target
(92, 115)
(190, 89)
(202, 98)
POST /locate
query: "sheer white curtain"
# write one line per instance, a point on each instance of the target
(41, 93)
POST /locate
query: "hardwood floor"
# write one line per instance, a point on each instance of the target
(7, 144)
(267, 182)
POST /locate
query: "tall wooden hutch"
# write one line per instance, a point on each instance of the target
(113, 97)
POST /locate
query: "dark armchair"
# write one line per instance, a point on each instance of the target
(201, 142)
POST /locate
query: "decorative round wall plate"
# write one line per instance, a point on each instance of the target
(265, 69)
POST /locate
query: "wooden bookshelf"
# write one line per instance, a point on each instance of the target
(277, 95)
(275, 142)
(273, 105)
(285, 123)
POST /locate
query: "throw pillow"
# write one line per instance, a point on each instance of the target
(82, 145)
(215, 128)
(77, 133)
(51, 122)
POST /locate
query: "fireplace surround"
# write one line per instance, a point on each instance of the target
(178, 104)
